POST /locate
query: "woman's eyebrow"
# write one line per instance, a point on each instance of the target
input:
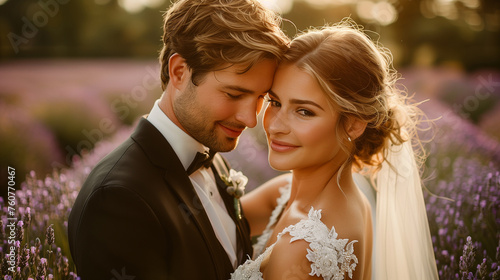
(298, 101)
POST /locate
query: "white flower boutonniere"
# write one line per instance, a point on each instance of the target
(235, 183)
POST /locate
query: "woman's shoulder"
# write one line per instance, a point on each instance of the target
(310, 248)
(346, 221)
(349, 210)
(314, 230)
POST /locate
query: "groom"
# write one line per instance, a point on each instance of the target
(147, 211)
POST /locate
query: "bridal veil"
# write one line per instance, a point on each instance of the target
(402, 236)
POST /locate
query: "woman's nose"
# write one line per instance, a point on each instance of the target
(275, 121)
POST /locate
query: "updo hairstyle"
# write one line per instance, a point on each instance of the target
(357, 77)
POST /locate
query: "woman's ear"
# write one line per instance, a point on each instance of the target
(355, 127)
(178, 71)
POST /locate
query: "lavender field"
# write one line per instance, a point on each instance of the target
(59, 118)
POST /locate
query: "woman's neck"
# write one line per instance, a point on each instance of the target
(308, 185)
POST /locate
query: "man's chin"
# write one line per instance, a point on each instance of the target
(226, 145)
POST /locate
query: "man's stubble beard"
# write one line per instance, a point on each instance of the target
(195, 120)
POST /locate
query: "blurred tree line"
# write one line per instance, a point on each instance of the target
(464, 32)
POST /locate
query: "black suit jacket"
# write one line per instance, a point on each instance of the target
(138, 215)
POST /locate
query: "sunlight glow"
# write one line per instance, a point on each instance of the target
(449, 10)
(136, 6)
(279, 6)
(382, 12)
(319, 4)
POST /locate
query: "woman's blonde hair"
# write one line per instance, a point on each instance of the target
(211, 33)
(358, 78)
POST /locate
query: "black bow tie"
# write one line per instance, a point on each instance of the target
(201, 159)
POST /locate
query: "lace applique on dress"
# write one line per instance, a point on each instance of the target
(250, 270)
(330, 258)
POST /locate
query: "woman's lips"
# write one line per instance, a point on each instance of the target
(279, 146)
(232, 133)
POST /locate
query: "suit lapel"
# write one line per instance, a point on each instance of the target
(243, 240)
(228, 200)
(162, 155)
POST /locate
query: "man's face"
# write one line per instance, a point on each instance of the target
(225, 103)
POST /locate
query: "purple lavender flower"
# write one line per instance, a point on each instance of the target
(27, 217)
(481, 272)
(467, 259)
(24, 257)
(41, 272)
(469, 180)
(20, 231)
(49, 235)
(496, 274)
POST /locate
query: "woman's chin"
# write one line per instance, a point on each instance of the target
(280, 166)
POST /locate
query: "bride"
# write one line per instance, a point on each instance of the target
(334, 108)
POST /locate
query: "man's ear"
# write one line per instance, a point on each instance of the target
(355, 127)
(178, 71)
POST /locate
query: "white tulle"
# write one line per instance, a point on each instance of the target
(403, 241)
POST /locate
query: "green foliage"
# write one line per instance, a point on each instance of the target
(81, 28)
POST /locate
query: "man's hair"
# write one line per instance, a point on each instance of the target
(210, 34)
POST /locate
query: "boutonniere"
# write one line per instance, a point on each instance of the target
(235, 183)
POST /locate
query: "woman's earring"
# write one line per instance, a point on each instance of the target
(349, 138)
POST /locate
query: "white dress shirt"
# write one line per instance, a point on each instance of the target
(203, 179)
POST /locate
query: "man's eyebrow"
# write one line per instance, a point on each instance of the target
(298, 101)
(237, 88)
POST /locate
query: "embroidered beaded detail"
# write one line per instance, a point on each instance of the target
(330, 257)
(250, 270)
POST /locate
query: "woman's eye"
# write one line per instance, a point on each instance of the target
(305, 113)
(273, 103)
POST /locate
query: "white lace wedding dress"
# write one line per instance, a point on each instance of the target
(403, 249)
(330, 257)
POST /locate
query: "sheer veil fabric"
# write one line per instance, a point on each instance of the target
(403, 240)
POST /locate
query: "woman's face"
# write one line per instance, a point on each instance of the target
(299, 124)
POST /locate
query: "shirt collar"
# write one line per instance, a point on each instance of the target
(184, 146)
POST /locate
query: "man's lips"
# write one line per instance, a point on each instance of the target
(232, 132)
(280, 146)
